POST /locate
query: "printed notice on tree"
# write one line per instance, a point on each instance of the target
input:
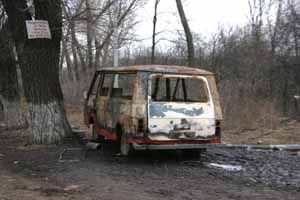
(38, 29)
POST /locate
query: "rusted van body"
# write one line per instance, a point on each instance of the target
(154, 107)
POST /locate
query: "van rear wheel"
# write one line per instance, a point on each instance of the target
(193, 153)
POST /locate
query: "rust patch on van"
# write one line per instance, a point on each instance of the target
(159, 110)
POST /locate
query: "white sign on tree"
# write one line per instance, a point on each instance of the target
(38, 29)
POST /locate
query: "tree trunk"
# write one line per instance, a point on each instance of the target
(188, 34)
(97, 55)
(68, 62)
(39, 63)
(74, 53)
(71, 30)
(9, 88)
(274, 38)
(89, 39)
(154, 32)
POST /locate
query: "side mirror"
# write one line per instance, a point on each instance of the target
(85, 94)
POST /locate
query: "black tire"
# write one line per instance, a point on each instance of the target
(96, 137)
(193, 153)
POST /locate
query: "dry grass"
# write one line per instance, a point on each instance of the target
(287, 132)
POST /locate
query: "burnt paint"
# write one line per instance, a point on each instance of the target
(159, 109)
(144, 76)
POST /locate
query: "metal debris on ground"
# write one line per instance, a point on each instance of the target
(278, 168)
(78, 154)
(92, 146)
(286, 147)
(72, 188)
(231, 168)
(68, 155)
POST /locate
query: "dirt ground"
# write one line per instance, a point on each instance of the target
(44, 172)
(37, 172)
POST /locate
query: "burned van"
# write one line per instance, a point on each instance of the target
(154, 107)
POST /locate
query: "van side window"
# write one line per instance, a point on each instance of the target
(107, 82)
(125, 86)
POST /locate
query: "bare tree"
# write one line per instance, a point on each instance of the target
(87, 39)
(39, 63)
(256, 9)
(9, 88)
(89, 34)
(154, 32)
(188, 34)
(294, 25)
(275, 28)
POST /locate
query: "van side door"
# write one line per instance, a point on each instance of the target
(102, 100)
(90, 99)
(119, 106)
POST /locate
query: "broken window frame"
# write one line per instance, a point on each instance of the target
(112, 84)
(180, 80)
(93, 85)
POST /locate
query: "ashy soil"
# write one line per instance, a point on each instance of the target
(43, 172)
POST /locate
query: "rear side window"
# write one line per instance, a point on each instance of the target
(179, 89)
(118, 85)
(123, 86)
(107, 82)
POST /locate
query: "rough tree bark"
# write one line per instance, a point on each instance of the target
(9, 88)
(39, 63)
(188, 34)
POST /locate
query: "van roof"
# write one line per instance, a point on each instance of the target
(172, 69)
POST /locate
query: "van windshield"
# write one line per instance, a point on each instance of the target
(178, 89)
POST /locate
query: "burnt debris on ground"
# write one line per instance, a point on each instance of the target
(273, 168)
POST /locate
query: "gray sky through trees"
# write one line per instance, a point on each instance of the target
(205, 16)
